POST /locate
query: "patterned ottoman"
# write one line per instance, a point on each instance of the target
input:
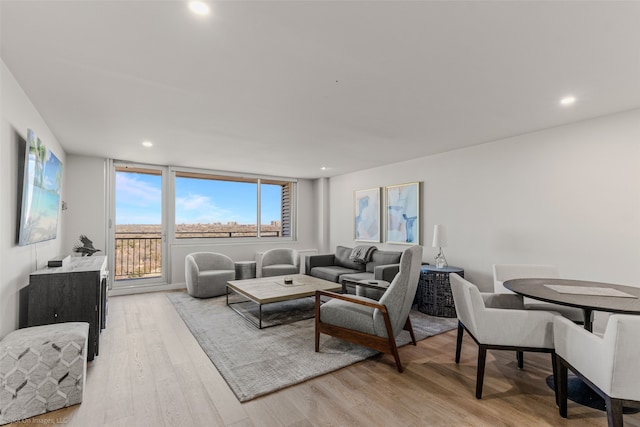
(42, 368)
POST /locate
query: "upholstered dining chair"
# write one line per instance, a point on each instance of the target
(280, 262)
(207, 274)
(504, 272)
(608, 364)
(371, 323)
(499, 322)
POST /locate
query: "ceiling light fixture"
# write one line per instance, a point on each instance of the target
(568, 100)
(147, 144)
(199, 7)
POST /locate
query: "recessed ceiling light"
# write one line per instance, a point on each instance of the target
(147, 144)
(568, 100)
(199, 7)
(324, 168)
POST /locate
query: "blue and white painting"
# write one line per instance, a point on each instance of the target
(367, 215)
(403, 213)
(40, 193)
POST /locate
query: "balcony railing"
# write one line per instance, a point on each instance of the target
(138, 255)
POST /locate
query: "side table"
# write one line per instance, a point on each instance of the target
(434, 295)
(245, 270)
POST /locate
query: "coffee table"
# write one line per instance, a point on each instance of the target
(268, 290)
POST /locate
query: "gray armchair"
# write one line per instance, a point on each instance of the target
(280, 262)
(207, 274)
(373, 324)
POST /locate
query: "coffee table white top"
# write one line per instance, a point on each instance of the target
(265, 290)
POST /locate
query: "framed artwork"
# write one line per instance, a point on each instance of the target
(366, 212)
(403, 213)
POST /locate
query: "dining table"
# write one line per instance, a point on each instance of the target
(588, 296)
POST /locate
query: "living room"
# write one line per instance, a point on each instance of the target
(564, 191)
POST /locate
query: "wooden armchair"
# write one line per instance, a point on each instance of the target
(371, 323)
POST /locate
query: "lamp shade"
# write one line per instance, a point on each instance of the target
(439, 236)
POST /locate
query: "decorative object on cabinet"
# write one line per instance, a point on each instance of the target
(76, 292)
(366, 212)
(87, 248)
(403, 213)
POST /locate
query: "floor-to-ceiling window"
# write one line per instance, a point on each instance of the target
(139, 228)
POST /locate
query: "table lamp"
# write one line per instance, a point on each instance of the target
(440, 241)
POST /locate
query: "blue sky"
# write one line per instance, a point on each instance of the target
(139, 200)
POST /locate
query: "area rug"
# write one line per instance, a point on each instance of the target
(255, 362)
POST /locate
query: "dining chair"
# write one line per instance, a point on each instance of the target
(608, 364)
(499, 322)
(504, 272)
(370, 323)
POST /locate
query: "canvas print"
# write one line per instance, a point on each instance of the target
(41, 193)
(403, 213)
(367, 215)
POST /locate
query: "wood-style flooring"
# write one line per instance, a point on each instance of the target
(152, 372)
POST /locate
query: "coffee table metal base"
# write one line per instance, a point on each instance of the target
(257, 321)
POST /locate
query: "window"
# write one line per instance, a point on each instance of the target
(217, 206)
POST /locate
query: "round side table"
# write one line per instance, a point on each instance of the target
(434, 295)
(245, 270)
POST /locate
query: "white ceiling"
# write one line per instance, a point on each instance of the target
(285, 87)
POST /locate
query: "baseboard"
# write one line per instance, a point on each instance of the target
(146, 288)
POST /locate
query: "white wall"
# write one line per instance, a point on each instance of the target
(86, 202)
(16, 263)
(568, 196)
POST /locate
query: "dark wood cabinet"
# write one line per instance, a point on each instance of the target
(75, 292)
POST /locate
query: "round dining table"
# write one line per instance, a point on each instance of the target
(590, 297)
(589, 300)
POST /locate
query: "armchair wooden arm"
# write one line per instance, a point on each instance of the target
(383, 344)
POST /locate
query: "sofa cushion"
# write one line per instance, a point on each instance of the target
(331, 273)
(383, 258)
(342, 259)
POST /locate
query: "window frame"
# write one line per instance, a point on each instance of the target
(175, 172)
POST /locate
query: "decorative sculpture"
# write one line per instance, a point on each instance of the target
(87, 248)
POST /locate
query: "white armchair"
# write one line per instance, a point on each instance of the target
(207, 274)
(504, 272)
(280, 262)
(499, 322)
(608, 364)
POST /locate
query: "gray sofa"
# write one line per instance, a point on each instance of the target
(383, 265)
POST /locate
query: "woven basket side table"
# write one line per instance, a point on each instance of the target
(434, 295)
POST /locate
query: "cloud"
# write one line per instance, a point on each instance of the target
(200, 209)
(132, 191)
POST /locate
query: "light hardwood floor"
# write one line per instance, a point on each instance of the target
(152, 372)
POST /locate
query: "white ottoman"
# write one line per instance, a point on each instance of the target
(42, 368)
